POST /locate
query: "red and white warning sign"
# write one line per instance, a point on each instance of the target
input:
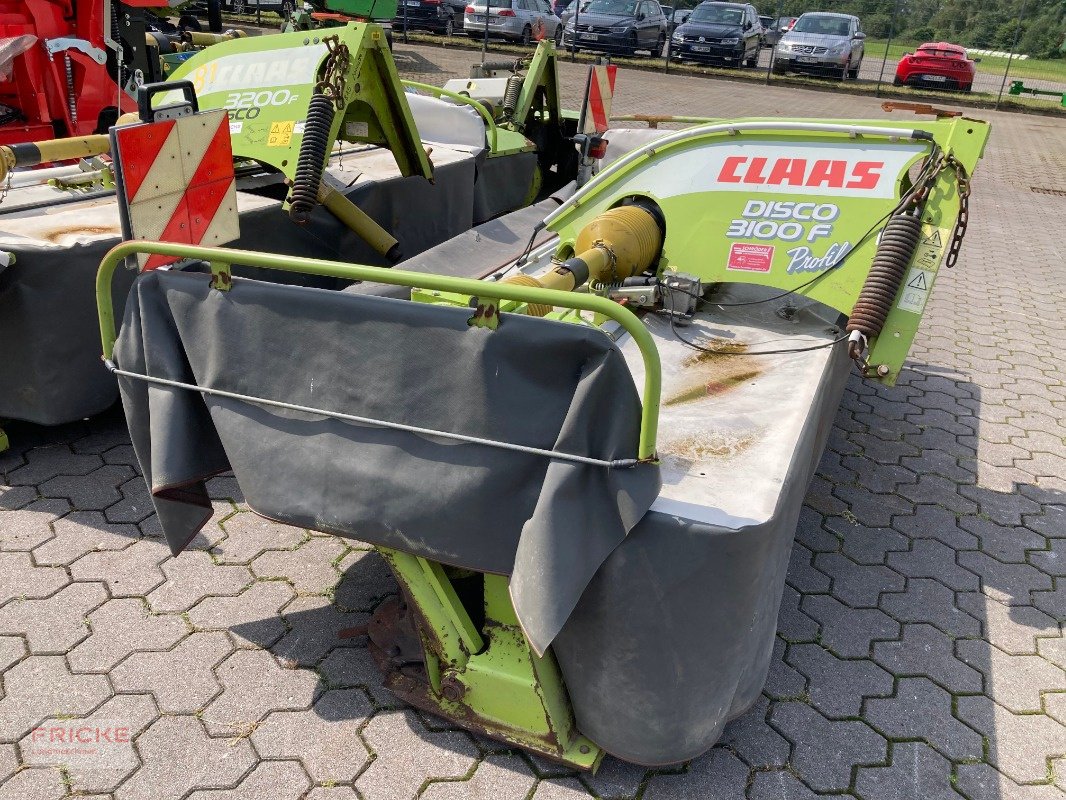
(596, 115)
(178, 182)
(750, 257)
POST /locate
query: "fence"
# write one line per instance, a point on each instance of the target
(999, 49)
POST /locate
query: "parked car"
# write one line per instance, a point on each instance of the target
(567, 13)
(777, 28)
(822, 43)
(938, 64)
(729, 33)
(440, 16)
(521, 20)
(618, 26)
(767, 25)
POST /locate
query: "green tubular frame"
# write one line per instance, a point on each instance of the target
(223, 257)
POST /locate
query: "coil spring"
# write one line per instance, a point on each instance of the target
(899, 240)
(312, 158)
(510, 95)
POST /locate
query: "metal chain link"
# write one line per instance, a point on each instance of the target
(963, 220)
(337, 64)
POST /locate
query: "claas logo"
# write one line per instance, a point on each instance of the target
(802, 172)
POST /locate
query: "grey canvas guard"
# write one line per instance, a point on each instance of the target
(50, 371)
(553, 385)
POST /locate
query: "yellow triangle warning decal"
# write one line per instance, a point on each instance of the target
(933, 239)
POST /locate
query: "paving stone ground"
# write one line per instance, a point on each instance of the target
(920, 652)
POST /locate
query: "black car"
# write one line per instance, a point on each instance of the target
(440, 16)
(728, 33)
(618, 26)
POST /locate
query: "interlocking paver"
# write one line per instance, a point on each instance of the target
(716, 774)
(867, 545)
(1052, 649)
(253, 685)
(29, 527)
(1014, 681)
(57, 623)
(825, 751)
(43, 783)
(40, 687)
(782, 681)
(253, 616)
(1052, 522)
(325, 737)
(935, 522)
(982, 782)
(120, 627)
(309, 567)
(802, 575)
(193, 576)
(929, 558)
(559, 789)
(314, 628)
(917, 771)
(182, 680)
(93, 491)
(922, 709)
(932, 602)
(9, 761)
(347, 667)
(248, 535)
(1003, 542)
(752, 738)
(47, 462)
(408, 754)
(505, 776)
(1052, 602)
(1007, 583)
(924, 650)
(279, 779)
(792, 624)
(1051, 561)
(1019, 744)
(779, 785)
(178, 755)
(1013, 629)
(849, 632)
(20, 579)
(12, 649)
(105, 770)
(366, 581)
(82, 532)
(858, 585)
(132, 572)
(836, 686)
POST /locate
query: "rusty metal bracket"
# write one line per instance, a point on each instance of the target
(221, 278)
(919, 108)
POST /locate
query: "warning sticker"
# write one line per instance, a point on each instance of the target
(916, 290)
(750, 257)
(931, 248)
(298, 129)
(235, 127)
(281, 133)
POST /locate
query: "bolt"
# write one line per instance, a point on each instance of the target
(584, 749)
(452, 688)
(883, 370)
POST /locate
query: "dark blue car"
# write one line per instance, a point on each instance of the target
(726, 33)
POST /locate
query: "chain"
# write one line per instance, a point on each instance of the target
(963, 220)
(338, 63)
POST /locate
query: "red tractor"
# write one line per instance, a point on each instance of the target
(71, 67)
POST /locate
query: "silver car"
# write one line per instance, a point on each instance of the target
(822, 43)
(521, 20)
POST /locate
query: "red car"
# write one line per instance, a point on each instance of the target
(937, 64)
